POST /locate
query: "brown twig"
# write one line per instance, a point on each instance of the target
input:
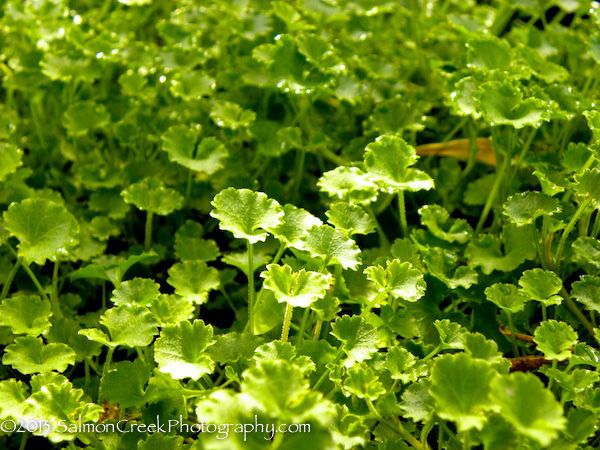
(525, 363)
(522, 337)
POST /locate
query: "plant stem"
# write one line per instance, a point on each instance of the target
(280, 252)
(323, 377)
(317, 330)
(399, 428)
(467, 440)
(383, 240)
(54, 292)
(302, 327)
(544, 312)
(566, 232)
(493, 192)
(575, 310)
(148, 235)
(23, 441)
(513, 331)
(287, 320)
(251, 287)
(536, 238)
(107, 362)
(9, 278)
(402, 211)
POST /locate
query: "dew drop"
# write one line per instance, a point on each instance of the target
(76, 19)
(61, 31)
(162, 79)
(277, 37)
(99, 55)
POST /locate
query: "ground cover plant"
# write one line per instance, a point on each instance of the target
(373, 222)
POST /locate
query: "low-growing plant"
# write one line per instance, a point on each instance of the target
(375, 223)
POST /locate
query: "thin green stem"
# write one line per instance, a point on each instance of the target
(302, 327)
(325, 373)
(280, 252)
(467, 440)
(577, 312)
(459, 125)
(513, 331)
(105, 369)
(23, 441)
(316, 334)
(148, 235)
(251, 287)
(9, 278)
(544, 312)
(493, 192)
(86, 369)
(398, 427)
(538, 247)
(287, 320)
(566, 232)
(402, 212)
(383, 240)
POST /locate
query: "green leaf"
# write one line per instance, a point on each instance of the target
(528, 406)
(451, 334)
(417, 402)
(444, 265)
(359, 338)
(130, 325)
(523, 208)
(506, 296)
(190, 246)
(180, 350)
(170, 309)
(587, 250)
(461, 388)
(502, 103)
(29, 355)
(588, 185)
(233, 346)
(398, 279)
(587, 291)
(231, 115)
(25, 315)
(192, 85)
(247, 214)
(298, 289)
(125, 384)
(111, 268)
(180, 143)
(575, 157)
(554, 339)
(85, 116)
(477, 346)
(485, 250)
(295, 222)
(438, 221)
(193, 280)
(388, 160)
(11, 157)
(151, 195)
(542, 286)
(14, 396)
(363, 383)
(488, 53)
(45, 230)
(60, 403)
(351, 218)
(139, 291)
(332, 245)
(349, 184)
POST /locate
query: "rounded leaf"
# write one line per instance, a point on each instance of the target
(298, 289)
(151, 195)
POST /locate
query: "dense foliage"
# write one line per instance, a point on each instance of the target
(378, 218)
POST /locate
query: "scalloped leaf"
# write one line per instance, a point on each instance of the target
(351, 218)
(523, 208)
(151, 195)
(298, 289)
(193, 280)
(332, 245)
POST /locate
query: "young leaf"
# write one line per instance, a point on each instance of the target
(298, 289)
(587, 291)
(349, 184)
(294, 224)
(388, 160)
(451, 334)
(363, 383)
(193, 280)
(190, 246)
(399, 279)
(542, 286)
(29, 355)
(14, 396)
(417, 403)
(247, 214)
(351, 218)
(151, 195)
(180, 350)
(588, 185)
(130, 325)
(502, 103)
(231, 115)
(332, 245)
(438, 221)
(443, 264)
(25, 315)
(11, 157)
(554, 339)
(359, 338)
(523, 208)
(461, 388)
(139, 291)
(528, 406)
(180, 143)
(125, 384)
(506, 296)
(587, 250)
(45, 230)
